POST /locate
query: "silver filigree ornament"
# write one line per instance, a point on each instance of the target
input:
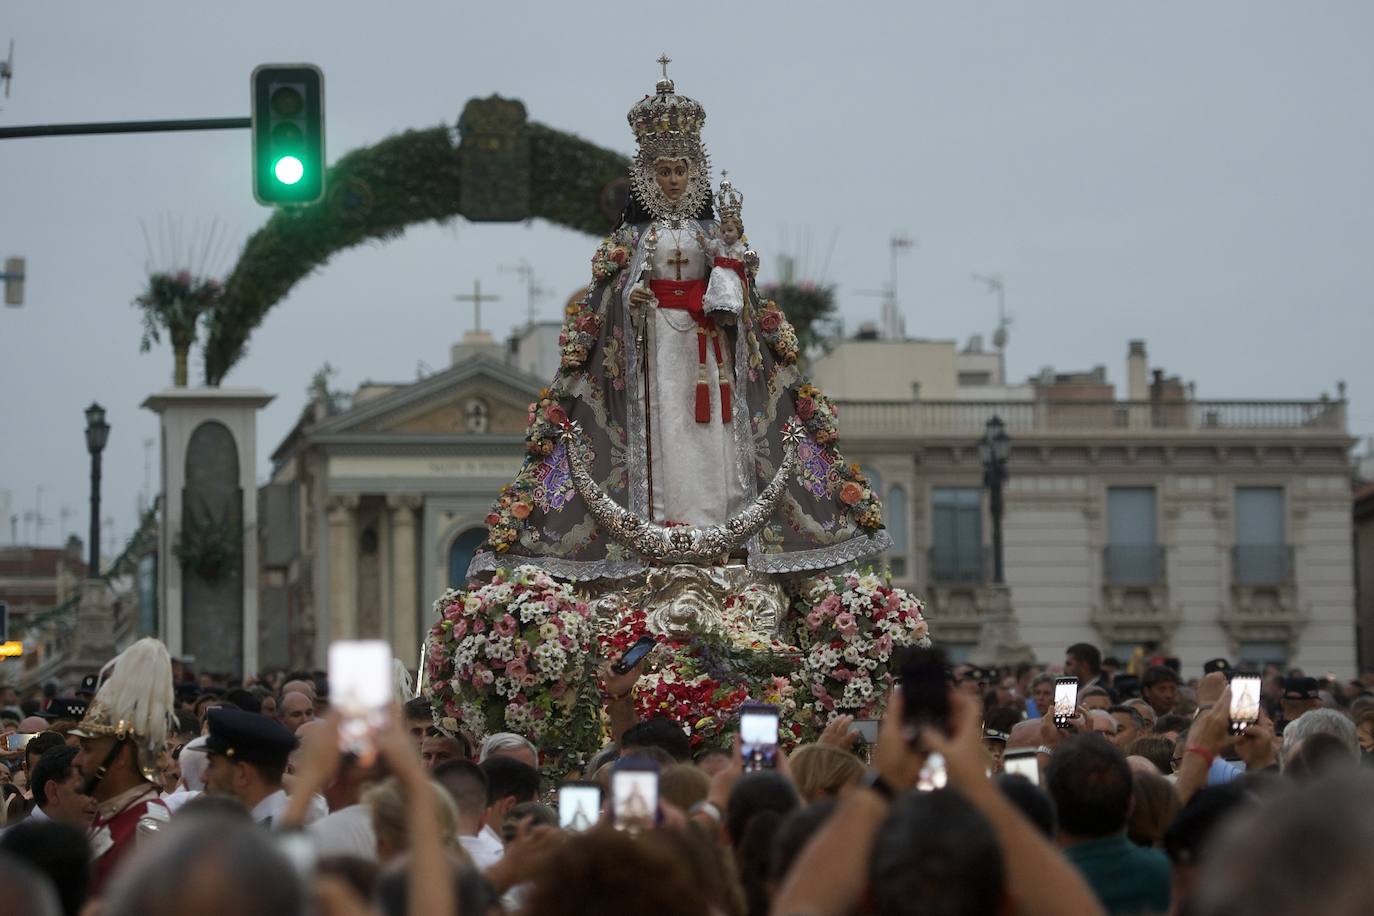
(680, 543)
(668, 126)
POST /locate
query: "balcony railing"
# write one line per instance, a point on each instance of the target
(1262, 564)
(958, 567)
(1131, 564)
(916, 418)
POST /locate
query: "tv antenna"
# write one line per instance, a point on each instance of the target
(7, 69)
(893, 323)
(534, 291)
(994, 284)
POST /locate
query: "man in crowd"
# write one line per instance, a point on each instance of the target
(56, 786)
(1300, 695)
(419, 719)
(247, 758)
(507, 744)
(1090, 783)
(295, 710)
(1083, 661)
(1159, 688)
(509, 783)
(466, 782)
(438, 748)
(1130, 724)
(124, 730)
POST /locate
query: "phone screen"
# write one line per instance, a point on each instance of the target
(642, 647)
(17, 741)
(1065, 700)
(758, 736)
(868, 728)
(634, 795)
(925, 690)
(1022, 763)
(933, 774)
(361, 688)
(579, 806)
(1245, 702)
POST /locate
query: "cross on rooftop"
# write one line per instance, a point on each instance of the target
(664, 60)
(477, 299)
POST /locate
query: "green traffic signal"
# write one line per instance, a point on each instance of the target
(288, 134)
(288, 170)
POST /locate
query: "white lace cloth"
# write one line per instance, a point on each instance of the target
(725, 292)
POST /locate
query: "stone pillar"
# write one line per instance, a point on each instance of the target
(999, 638)
(405, 596)
(343, 566)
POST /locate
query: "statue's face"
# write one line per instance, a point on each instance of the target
(671, 177)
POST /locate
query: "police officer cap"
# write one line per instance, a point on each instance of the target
(249, 737)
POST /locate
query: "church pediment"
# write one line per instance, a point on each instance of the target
(479, 396)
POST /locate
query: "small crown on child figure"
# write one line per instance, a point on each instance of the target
(728, 200)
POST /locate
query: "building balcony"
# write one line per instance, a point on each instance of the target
(1131, 564)
(911, 419)
(958, 568)
(1259, 565)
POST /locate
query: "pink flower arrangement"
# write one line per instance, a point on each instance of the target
(516, 655)
(848, 628)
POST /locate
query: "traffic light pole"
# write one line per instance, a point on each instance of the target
(124, 127)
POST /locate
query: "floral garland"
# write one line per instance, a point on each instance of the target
(850, 626)
(517, 655)
(701, 681)
(822, 421)
(779, 333)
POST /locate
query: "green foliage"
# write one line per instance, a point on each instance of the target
(209, 546)
(807, 307)
(174, 303)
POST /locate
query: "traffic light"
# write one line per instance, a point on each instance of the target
(288, 133)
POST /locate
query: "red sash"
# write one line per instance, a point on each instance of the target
(686, 295)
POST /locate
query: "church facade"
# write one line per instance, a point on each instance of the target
(373, 511)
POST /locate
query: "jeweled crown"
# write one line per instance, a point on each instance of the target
(666, 124)
(729, 202)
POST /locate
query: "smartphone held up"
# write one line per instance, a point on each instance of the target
(362, 690)
(1065, 700)
(1245, 702)
(925, 680)
(758, 736)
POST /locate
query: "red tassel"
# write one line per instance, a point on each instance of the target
(726, 415)
(703, 403)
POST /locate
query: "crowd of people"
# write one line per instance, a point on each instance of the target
(1142, 800)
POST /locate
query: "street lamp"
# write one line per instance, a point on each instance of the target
(993, 450)
(97, 433)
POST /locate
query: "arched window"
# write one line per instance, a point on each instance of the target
(461, 553)
(894, 516)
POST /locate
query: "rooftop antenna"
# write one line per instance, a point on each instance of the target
(893, 323)
(994, 284)
(7, 69)
(534, 291)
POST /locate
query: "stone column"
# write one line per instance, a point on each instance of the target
(405, 600)
(343, 566)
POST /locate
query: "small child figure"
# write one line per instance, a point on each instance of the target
(725, 291)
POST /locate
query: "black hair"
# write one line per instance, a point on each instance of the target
(473, 893)
(936, 855)
(1034, 802)
(54, 764)
(1090, 783)
(1158, 674)
(1087, 654)
(662, 733)
(465, 782)
(507, 777)
(1196, 825)
(43, 742)
(754, 793)
(419, 708)
(245, 700)
(56, 850)
(795, 831)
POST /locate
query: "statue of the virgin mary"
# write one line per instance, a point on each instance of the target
(682, 408)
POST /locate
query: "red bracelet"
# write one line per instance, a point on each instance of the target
(1205, 754)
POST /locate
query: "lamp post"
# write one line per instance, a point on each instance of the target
(993, 450)
(97, 433)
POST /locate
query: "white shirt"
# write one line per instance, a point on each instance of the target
(178, 798)
(269, 811)
(486, 849)
(346, 832)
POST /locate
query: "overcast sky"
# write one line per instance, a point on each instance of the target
(1193, 174)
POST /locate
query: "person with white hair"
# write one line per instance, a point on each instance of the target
(509, 744)
(1318, 722)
